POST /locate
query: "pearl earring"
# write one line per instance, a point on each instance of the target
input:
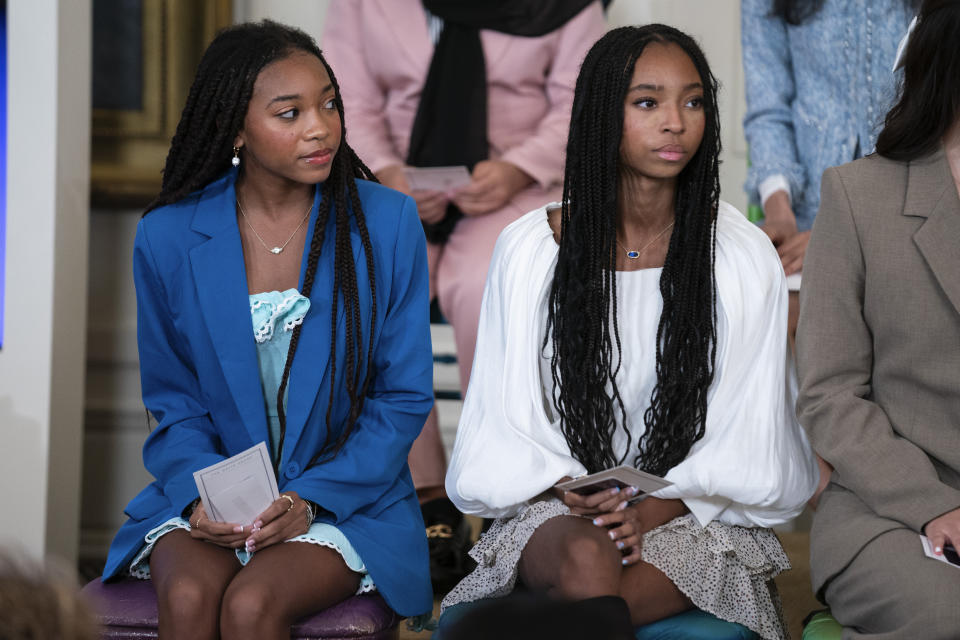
(236, 157)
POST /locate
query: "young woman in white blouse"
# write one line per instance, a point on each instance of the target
(642, 321)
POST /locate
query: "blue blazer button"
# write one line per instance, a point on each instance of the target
(293, 470)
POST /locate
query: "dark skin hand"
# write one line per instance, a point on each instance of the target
(627, 526)
(626, 522)
(280, 521)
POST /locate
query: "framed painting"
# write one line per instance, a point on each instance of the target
(145, 53)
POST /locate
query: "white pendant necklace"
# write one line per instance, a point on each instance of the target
(634, 254)
(274, 250)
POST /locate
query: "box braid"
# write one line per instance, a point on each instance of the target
(201, 151)
(582, 321)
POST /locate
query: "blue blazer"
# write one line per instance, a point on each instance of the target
(201, 381)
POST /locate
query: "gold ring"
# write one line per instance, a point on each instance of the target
(283, 495)
(197, 526)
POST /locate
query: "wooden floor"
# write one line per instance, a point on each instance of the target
(794, 587)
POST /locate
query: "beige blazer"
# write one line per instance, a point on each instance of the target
(879, 352)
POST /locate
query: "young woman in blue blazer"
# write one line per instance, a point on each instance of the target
(281, 297)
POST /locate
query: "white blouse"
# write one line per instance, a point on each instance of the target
(754, 465)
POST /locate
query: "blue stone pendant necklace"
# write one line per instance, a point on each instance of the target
(634, 254)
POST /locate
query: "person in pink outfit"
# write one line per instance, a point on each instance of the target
(385, 50)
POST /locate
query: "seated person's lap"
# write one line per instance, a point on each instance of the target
(892, 588)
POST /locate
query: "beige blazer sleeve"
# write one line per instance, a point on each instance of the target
(835, 356)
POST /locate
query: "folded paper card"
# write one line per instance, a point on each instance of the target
(445, 179)
(240, 488)
(623, 476)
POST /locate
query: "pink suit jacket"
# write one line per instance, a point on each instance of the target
(380, 51)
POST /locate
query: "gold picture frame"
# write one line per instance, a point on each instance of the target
(129, 144)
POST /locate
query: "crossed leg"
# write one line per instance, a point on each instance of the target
(571, 558)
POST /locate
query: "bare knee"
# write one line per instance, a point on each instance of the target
(589, 567)
(187, 603)
(249, 609)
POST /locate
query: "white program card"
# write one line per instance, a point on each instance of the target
(949, 552)
(443, 179)
(239, 488)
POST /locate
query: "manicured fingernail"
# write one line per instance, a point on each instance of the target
(622, 506)
(238, 529)
(258, 524)
(598, 522)
(619, 544)
(615, 491)
(612, 535)
(623, 562)
(937, 550)
(633, 491)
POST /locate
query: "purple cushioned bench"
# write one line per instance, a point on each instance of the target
(127, 610)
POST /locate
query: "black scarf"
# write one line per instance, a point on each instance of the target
(450, 127)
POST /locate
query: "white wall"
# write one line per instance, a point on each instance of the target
(42, 359)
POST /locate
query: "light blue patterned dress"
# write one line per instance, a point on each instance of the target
(274, 314)
(816, 92)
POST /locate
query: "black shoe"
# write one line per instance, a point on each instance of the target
(448, 537)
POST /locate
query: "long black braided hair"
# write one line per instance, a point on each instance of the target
(581, 324)
(201, 152)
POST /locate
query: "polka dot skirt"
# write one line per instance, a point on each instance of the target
(725, 570)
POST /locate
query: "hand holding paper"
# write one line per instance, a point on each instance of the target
(240, 488)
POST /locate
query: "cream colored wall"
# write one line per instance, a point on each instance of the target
(114, 416)
(42, 359)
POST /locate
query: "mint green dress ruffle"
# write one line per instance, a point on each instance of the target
(274, 314)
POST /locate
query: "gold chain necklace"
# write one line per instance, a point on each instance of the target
(279, 249)
(634, 254)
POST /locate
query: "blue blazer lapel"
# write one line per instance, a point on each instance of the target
(308, 374)
(221, 280)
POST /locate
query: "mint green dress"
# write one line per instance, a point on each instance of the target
(274, 314)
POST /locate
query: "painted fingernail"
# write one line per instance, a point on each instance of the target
(937, 550)
(258, 524)
(612, 535)
(633, 491)
(598, 522)
(623, 562)
(615, 491)
(238, 529)
(622, 506)
(619, 544)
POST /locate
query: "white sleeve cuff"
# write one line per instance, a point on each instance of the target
(706, 508)
(771, 185)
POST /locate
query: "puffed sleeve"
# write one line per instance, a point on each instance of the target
(507, 451)
(770, 91)
(185, 438)
(754, 466)
(892, 475)
(364, 99)
(401, 394)
(541, 155)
